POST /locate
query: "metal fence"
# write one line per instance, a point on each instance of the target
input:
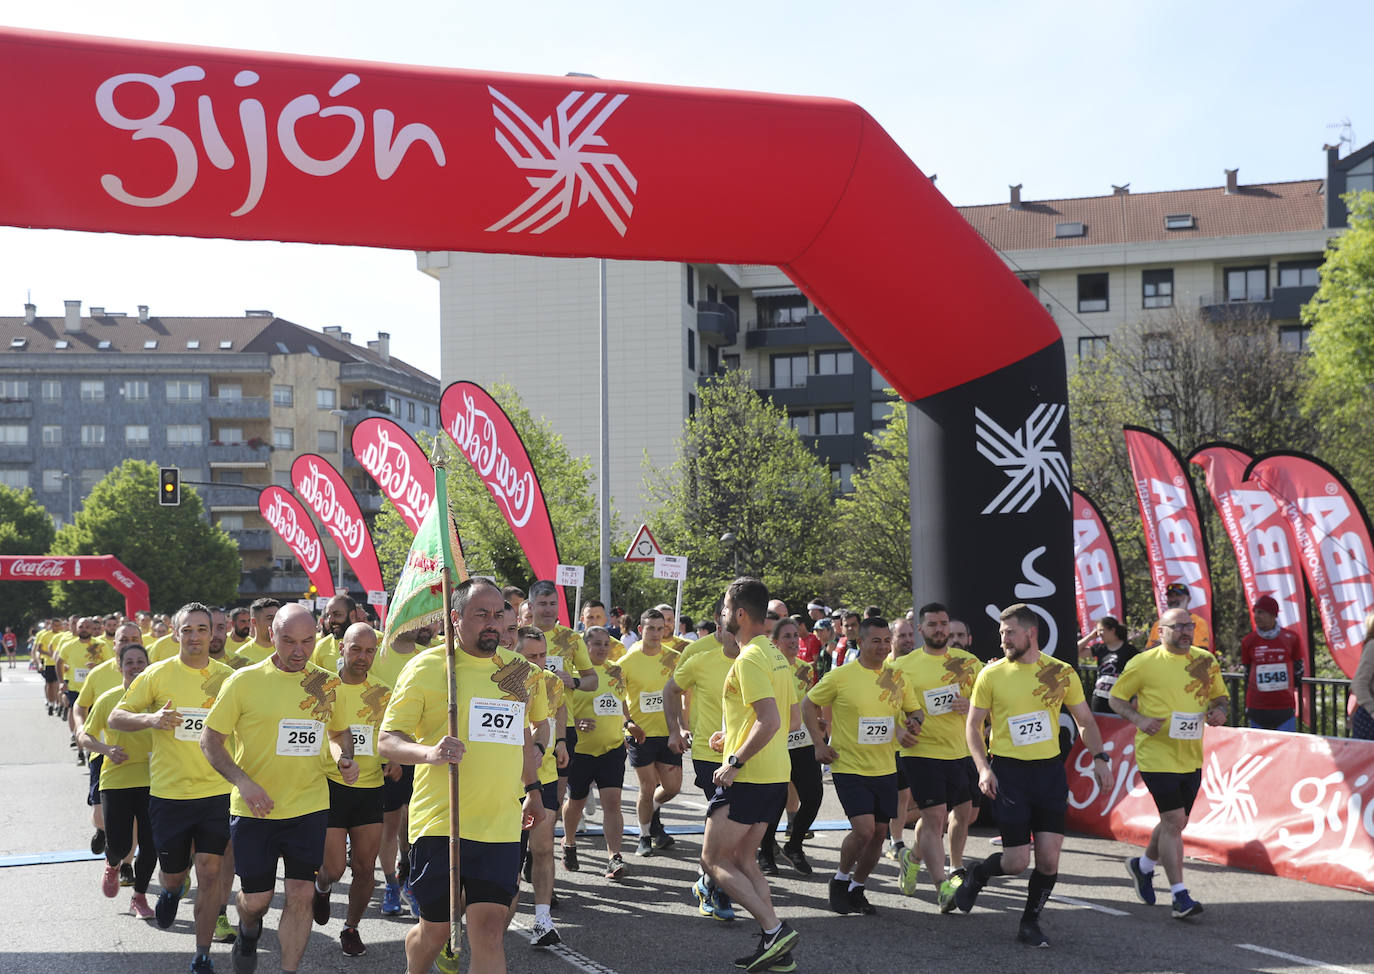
(1323, 711)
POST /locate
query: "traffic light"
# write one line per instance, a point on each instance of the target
(169, 486)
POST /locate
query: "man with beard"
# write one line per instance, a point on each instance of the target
(498, 699)
(1022, 694)
(567, 655)
(240, 629)
(338, 616)
(1177, 596)
(75, 660)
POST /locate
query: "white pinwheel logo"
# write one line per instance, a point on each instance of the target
(564, 147)
(1228, 791)
(1029, 457)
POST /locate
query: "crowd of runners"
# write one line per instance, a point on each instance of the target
(264, 744)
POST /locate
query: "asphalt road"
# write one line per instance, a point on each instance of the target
(56, 919)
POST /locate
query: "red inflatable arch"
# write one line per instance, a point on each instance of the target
(82, 568)
(156, 139)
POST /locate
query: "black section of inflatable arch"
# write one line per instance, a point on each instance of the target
(979, 543)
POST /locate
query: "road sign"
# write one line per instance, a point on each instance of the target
(321, 603)
(376, 598)
(644, 547)
(571, 575)
(671, 567)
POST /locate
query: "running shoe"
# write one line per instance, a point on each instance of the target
(411, 900)
(890, 850)
(447, 962)
(910, 872)
(186, 885)
(351, 942)
(703, 895)
(767, 863)
(797, 857)
(771, 949)
(109, 883)
(858, 902)
(244, 953)
(543, 934)
(527, 868)
(1030, 934)
(320, 906)
(138, 906)
(1185, 906)
(570, 858)
(721, 906)
(224, 931)
(98, 842)
(646, 846)
(166, 908)
(783, 964)
(391, 900)
(202, 964)
(80, 759)
(839, 896)
(615, 869)
(946, 895)
(957, 876)
(967, 891)
(126, 874)
(1143, 882)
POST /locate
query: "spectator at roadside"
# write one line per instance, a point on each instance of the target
(1362, 686)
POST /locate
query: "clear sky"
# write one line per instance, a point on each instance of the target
(1066, 97)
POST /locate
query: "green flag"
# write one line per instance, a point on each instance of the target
(418, 600)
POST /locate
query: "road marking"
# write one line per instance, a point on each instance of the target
(48, 858)
(1071, 901)
(581, 961)
(1299, 960)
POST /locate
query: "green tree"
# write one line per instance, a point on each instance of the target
(875, 522)
(744, 471)
(25, 529)
(180, 555)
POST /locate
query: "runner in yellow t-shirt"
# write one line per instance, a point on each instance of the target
(76, 657)
(1178, 689)
(645, 671)
(338, 615)
(188, 800)
(43, 647)
(758, 708)
(258, 648)
(567, 657)
(498, 701)
(599, 757)
(240, 628)
(1022, 694)
(594, 615)
(807, 785)
(873, 709)
(104, 676)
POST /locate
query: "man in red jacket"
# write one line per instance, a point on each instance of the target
(1272, 657)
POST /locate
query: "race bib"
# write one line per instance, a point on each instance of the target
(1104, 684)
(1268, 676)
(875, 730)
(1031, 728)
(192, 723)
(496, 721)
(362, 740)
(299, 738)
(801, 737)
(651, 703)
(606, 705)
(1185, 727)
(81, 673)
(553, 664)
(940, 700)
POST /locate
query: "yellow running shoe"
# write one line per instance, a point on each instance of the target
(911, 871)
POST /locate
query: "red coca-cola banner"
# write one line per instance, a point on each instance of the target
(1266, 548)
(323, 491)
(292, 522)
(1291, 805)
(1332, 530)
(1096, 565)
(400, 467)
(1173, 531)
(484, 434)
(89, 568)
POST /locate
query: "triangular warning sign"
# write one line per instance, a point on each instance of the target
(644, 547)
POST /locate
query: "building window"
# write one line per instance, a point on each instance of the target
(1293, 338)
(424, 415)
(282, 478)
(835, 363)
(730, 360)
(787, 371)
(1247, 284)
(324, 399)
(14, 435)
(1360, 178)
(691, 404)
(135, 390)
(229, 393)
(93, 435)
(52, 480)
(801, 422)
(691, 350)
(410, 412)
(52, 435)
(1091, 347)
(136, 435)
(12, 390)
(1159, 352)
(231, 522)
(283, 396)
(842, 477)
(1300, 273)
(882, 413)
(92, 390)
(15, 477)
(1157, 288)
(1092, 292)
(327, 441)
(51, 390)
(230, 434)
(90, 476)
(284, 438)
(229, 476)
(183, 390)
(782, 310)
(691, 286)
(834, 422)
(185, 434)
(393, 404)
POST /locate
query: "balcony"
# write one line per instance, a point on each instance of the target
(817, 330)
(717, 323)
(230, 497)
(1217, 309)
(837, 448)
(822, 390)
(368, 502)
(256, 539)
(1288, 301)
(240, 408)
(16, 409)
(248, 454)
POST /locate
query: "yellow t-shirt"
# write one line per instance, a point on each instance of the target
(1023, 701)
(644, 678)
(388, 663)
(40, 646)
(604, 707)
(232, 645)
(616, 651)
(254, 653)
(497, 697)
(163, 647)
(760, 672)
(803, 677)
(133, 773)
(364, 706)
(867, 710)
(553, 699)
(702, 672)
(104, 677)
(326, 654)
(676, 643)
(80, 658)
(280, 722)
(176, 766)
(1202, 636)
(567, 648)
(938, 679)
(1177, 688)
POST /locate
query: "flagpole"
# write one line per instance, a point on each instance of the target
(454, 882)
